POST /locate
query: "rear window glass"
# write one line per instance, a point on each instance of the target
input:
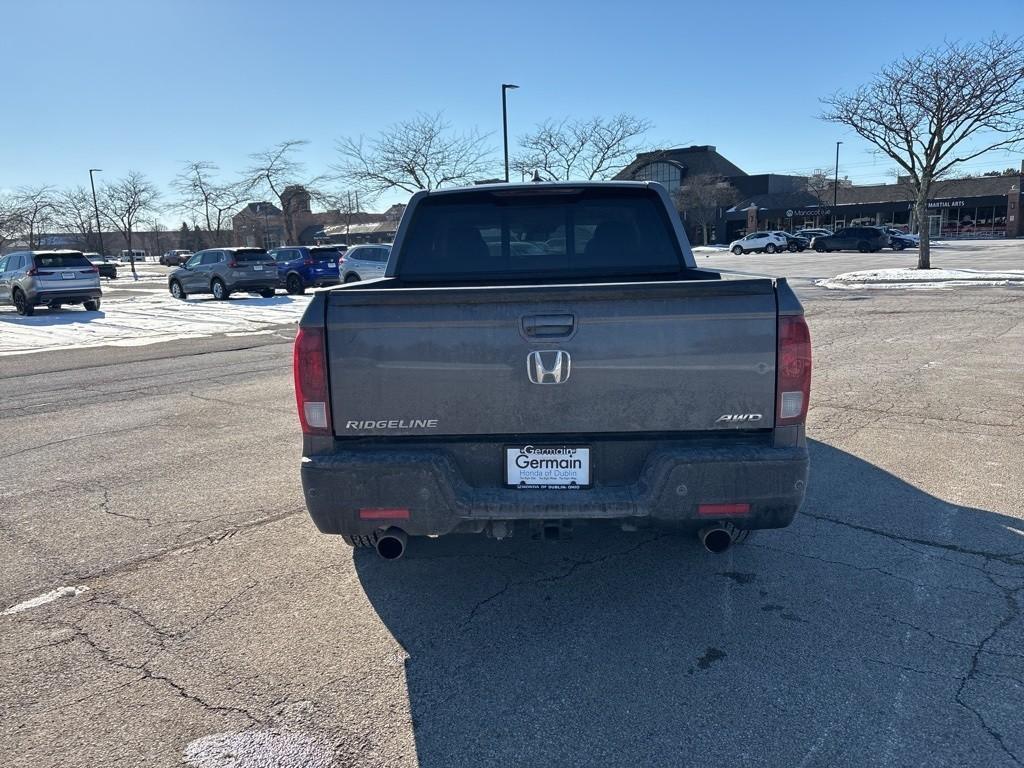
(324, 254)
(62, 261)
(575, 233)
(249, 256)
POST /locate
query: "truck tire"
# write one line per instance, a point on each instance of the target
(351, 277)
(92, 305)
(219, 290)
(267, 293)
(21, 303)
(294, 284)
(177, 291)
(361, 542)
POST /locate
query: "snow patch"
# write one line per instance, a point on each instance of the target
(43, 599)
(260, 749)
(920, 278)
(145, 319)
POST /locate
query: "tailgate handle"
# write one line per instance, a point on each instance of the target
(548, 326)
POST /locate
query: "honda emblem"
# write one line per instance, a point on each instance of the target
(548, 366)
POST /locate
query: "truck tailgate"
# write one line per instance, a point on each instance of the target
(552, 359)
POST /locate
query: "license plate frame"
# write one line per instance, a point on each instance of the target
(68, 275)
(257, 267)
(548, 478)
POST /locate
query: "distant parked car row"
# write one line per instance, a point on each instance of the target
(863, 239)
(223, 271)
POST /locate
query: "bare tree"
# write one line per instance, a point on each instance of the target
(936, 109)
(126, 202)
(421, 153)
(700, 197)
(74, 214)
(206, 199)
(35, 209)
(581, 149)
(822, 185)
(278, 172)
(10, 220)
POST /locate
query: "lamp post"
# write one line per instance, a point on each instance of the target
(504, 120)
(96, 208)
(835, 188)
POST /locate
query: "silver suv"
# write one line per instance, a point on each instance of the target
(222, 271)
(52, 278)
(364, 262)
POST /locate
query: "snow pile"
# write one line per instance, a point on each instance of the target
(920, 278)
(148, 318)
(260, 749)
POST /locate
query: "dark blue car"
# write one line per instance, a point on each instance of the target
(306, 266)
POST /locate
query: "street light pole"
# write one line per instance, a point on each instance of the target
(96, 208)
(504, 120)
(835, 188)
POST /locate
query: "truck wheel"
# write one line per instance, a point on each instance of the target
(22, 305)
(360, 542)
(770, 248)
(792, 247)
(177, 291)
(737, 250)
(92, 305)
(218, 289)
(294, 285)
(351, 278)
(267, 293)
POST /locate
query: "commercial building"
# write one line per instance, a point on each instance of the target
(985, 206)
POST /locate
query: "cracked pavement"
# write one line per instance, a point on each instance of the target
(883, 628)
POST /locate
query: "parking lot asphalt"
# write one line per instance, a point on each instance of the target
(213, 626)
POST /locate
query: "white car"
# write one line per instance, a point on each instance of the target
(363, 262)
(758, 242)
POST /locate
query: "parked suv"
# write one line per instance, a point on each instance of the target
(174, 258)
(364, 262)
(303, 266)
(759, 242)
(794, 243)
(863, 239)
(31, 278)
(223, 271)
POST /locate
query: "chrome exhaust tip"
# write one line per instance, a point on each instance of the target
(718, 538)
(391, 544)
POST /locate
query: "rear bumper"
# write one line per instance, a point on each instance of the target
(254, 284)
(671, 485)
(66, 296)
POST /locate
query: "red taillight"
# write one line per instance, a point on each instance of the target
(307, 261)
(94, 270)
(233, 264)
(310, 369)
(341, 260)
(33, 272)
(793, 371)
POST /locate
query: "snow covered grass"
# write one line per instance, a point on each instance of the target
(921, 278)
(148, 318)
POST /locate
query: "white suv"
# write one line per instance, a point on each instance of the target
(758, 242)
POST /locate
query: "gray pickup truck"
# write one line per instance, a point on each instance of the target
(541, 354)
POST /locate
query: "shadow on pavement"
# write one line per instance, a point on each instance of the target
(850, 638)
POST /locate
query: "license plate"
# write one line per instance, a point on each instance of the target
(257, 267)
(68, 275)
(547, 466)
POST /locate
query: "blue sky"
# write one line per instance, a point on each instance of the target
(150, 84)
